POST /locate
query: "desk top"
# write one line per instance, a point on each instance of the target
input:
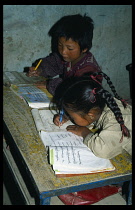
(18, 118)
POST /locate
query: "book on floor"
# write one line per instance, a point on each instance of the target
(67, 152)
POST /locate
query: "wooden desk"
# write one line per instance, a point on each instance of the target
(30, 156)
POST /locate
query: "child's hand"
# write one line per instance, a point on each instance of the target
(78, 130)
(56, 120)
(33, 73)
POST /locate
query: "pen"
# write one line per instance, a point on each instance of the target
(61, 116)
(38, 64)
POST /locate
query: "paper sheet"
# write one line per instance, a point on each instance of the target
(44, 121)
(61, 139)
(78, 159)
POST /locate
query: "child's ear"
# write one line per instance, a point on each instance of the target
(85, 50)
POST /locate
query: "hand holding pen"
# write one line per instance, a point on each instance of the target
(34, 71)
(61, 117)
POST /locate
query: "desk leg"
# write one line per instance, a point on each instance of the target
(129, 199)
(45, 201)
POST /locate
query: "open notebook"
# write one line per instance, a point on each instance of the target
(35, 97)
(67, 152)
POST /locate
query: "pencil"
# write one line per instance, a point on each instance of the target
(38, 64)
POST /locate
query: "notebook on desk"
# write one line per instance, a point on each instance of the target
(31, 89)
(17, 78)
(34, 96)
(67, 153)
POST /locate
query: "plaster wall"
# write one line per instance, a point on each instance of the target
(25, 37)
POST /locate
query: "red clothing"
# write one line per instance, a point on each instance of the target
(86, 64)
(53, 65)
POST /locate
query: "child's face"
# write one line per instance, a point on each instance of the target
(70, 50)
(83, 120)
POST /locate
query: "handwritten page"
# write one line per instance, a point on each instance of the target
(61, 139)
(68, 154)
(44, 121)
(77, 160)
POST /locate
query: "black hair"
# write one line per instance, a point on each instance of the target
(77, 27)
(86, 92)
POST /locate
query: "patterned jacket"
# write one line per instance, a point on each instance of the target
(55, 69)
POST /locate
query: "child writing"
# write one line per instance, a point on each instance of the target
(85, 102)
(71, 38)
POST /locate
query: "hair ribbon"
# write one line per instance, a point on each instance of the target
(124, 102)
(92, 95)
(94, 78)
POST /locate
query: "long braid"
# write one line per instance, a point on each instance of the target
(115, 109)
(95, 74)
(65, 95)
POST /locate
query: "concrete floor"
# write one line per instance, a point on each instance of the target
(116, 199)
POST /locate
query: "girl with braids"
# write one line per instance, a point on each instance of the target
(86, 103)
